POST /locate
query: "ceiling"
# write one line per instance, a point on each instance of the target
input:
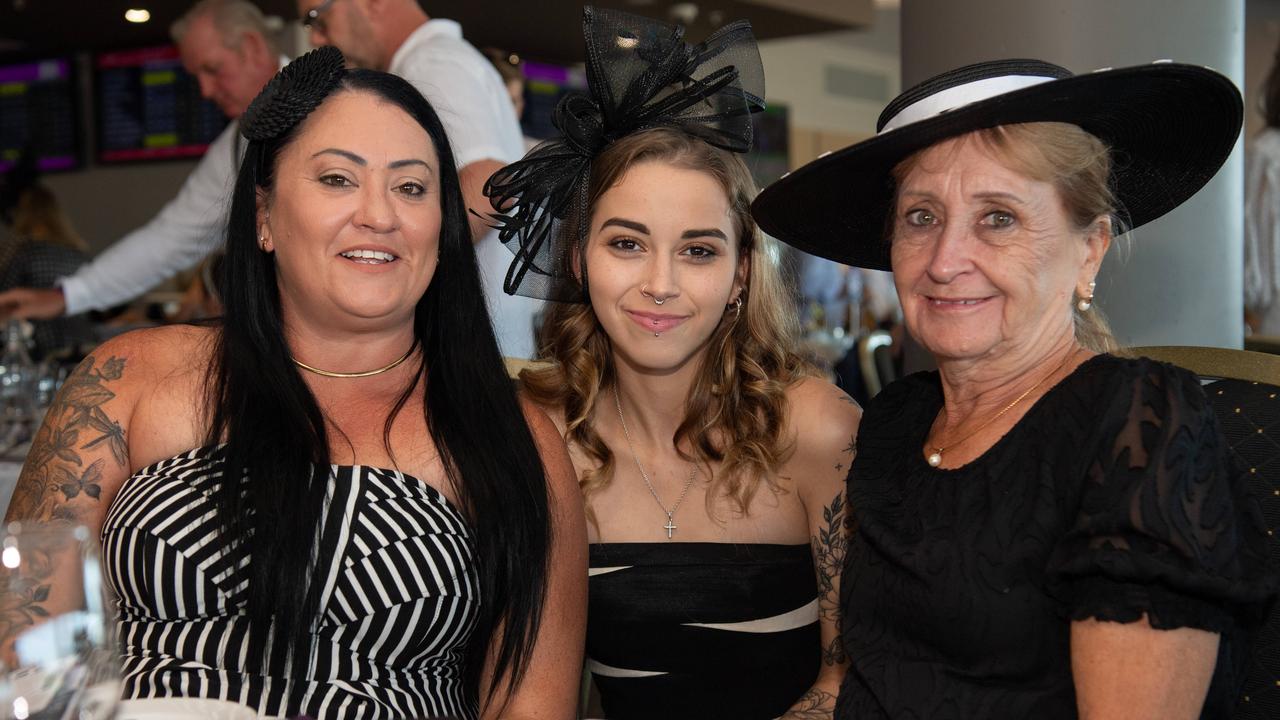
(548, 30)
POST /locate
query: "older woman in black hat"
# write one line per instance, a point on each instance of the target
(1044, 528)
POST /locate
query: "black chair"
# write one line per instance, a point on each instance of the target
(1244, 389)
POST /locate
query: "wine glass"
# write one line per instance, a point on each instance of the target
(57, 631)
(19, 379)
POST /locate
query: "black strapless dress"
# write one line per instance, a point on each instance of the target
(702, 630)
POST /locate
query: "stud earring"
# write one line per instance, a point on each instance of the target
(1087, 301)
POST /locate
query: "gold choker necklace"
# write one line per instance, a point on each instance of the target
(367, 373)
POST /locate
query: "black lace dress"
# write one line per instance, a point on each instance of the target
(1114, 496)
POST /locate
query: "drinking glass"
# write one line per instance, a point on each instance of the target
(57, 630)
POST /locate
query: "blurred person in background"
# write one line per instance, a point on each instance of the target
(1262, 215)
(512, 71)
(228, 47)
(397, 36)
(42, 247)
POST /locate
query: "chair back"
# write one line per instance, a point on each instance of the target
(875, 360)
(1243, 388)
(515, 365)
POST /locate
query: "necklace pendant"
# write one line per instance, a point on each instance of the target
(935, 458)
(670, 527)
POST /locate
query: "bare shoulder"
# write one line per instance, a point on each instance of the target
(548, 439)
(167, 367)
(132, 362)
(554, 413)
(86, 444)
(821, 417)
(539, 420)
(161, 350)
(155, 361)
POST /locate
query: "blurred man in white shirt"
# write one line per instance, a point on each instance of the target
(226, 45)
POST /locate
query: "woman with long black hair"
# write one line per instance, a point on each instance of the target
(403, 537)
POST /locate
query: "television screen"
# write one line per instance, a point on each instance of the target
(38, 113)
(149, 107)
(544, 86)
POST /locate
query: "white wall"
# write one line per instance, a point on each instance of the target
(796, 75)
(795, 70)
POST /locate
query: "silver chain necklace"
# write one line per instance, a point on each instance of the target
(670, 527)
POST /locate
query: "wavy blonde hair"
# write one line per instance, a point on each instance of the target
(736, 408)
(39, 216)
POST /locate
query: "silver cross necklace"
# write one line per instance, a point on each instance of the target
(671, 526)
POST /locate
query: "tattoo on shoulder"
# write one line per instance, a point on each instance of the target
(55, 472)
(852, 448)
(814, 705)
(845, 398)
(828, 552)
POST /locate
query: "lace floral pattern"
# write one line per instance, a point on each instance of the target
(1113, 497)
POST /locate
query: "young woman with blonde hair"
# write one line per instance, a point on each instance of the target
(711, 459)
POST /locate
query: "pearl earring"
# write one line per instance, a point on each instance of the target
(1087, 302)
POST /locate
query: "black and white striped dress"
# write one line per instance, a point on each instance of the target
(399, 599)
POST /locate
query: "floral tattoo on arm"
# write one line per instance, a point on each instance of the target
(55, 472)
(828, 552)
(816, 704)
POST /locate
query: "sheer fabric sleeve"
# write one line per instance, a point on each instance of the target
(1166, 525)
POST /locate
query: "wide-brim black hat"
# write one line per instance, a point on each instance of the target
(1169, 127)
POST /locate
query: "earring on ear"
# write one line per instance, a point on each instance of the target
(737, 307)
(1086, 302)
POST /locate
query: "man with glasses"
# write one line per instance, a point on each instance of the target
(397, 36)
(226, 45)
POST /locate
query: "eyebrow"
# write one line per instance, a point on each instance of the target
(991, 195)
(642, 228)
(628, 224)
(998, 195)
(363, 163)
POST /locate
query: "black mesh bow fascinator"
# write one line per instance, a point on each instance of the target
(640, 75)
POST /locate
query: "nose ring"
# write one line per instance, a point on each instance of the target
(644, 290)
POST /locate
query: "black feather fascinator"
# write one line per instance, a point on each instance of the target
(640, 75)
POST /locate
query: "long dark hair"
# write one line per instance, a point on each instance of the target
(275, 437)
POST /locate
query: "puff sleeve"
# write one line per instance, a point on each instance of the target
(1165, 524)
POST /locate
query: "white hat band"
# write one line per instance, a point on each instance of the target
(960, 95)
